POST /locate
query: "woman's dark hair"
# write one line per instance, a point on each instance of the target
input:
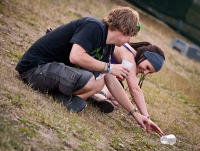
(141, 47)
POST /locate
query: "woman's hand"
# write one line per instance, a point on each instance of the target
(147, 124)
(153, 127)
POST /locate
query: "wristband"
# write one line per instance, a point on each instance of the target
(133, 111)
(109, 69)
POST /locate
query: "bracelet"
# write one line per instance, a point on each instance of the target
(133, 111)
(103, 70)
(148, 117)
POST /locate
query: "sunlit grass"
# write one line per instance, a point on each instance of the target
(34, 121)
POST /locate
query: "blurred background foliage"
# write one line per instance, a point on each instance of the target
(181, 15)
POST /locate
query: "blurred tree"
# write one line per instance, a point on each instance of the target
(181, 15)
(176, 8)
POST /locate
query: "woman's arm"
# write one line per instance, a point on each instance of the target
(118, 92)
(120, 96)
(136, 93)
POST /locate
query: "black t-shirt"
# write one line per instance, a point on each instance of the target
(88, 32)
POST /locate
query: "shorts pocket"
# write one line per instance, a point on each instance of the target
(68, 79)
(51, 78)
(51, 82)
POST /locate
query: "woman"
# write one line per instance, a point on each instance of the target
(146, 58)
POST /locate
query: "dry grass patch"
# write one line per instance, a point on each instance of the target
(30, 120)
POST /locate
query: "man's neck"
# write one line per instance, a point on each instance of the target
(111, 37)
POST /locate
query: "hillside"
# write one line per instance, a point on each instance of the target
(30, 120)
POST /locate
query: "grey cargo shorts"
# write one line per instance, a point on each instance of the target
(56, 77)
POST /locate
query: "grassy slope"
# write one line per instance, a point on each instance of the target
(30, 120)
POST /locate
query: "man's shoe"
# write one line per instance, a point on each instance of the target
(72, 103)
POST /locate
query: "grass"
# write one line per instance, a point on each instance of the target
(30, 120)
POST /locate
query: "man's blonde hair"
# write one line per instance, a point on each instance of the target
(123, 19)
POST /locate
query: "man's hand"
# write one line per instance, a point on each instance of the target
(120, 71)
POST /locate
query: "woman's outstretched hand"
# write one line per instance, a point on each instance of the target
(153, 127)
(147, 124)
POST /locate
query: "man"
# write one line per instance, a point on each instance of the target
(69, 58)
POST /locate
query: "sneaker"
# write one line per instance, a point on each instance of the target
(72, 103)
